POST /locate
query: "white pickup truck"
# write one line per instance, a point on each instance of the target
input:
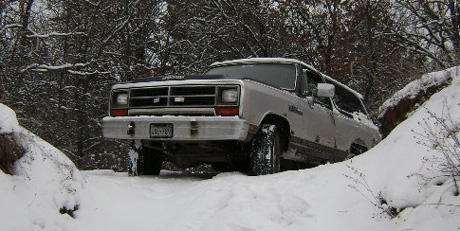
(253, 115)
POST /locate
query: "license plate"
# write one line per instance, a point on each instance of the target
(161, 130)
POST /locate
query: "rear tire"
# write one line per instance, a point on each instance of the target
(265, 151)
(356, 149)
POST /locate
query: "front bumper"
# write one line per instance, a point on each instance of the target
(185, 128)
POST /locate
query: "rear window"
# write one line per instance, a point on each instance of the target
(277, 75)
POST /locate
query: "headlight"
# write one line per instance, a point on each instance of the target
(120, 99)
(230, 96)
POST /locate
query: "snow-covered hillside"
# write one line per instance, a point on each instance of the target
(45, 183)
(396, 177)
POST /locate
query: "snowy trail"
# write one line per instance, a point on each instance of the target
(112, 199)
(229, 201)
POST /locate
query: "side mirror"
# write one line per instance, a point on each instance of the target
(326, 90)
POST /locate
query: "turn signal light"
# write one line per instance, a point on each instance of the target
(119, 112)
(227, 111)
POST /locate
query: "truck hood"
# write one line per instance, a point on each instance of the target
(178, 77)
(178, 80)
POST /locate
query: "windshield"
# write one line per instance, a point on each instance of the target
(277, 75)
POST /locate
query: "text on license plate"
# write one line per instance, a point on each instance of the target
(161, 130)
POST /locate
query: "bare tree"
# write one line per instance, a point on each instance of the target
(378, 65)
(61, 66)
(431, 28)
(349, 40)
(206, 31)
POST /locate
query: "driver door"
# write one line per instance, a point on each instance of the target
(318, 121)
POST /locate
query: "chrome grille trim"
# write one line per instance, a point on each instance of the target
(177, 96)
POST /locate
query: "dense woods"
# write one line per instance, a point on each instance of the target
(58, 58)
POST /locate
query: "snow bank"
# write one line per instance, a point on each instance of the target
(8, 121)
(404, 172)
(45, 181)
(415, 87)
(400, 105)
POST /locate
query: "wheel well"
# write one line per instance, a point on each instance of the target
(359, 142)
(283, 125)
(358, 147)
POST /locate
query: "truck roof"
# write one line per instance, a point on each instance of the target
(282, 61)
(260, 60)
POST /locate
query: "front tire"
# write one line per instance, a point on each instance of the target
(266, 151)
(147, 162)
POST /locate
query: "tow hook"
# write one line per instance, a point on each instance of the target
(131, 129)
(193, 128)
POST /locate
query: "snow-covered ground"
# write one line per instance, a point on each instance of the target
(342, 196)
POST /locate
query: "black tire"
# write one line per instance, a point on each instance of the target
(148, 163)
(356, 149)
(265, 151)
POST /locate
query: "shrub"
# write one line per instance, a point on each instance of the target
(10, 152)
(441, 133)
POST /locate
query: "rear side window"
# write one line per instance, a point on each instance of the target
(347, 102)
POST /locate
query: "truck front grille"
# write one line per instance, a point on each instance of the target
(173, 96)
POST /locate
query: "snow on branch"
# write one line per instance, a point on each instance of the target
(82, 73)
(35, 35)
(63, 67)
(96, 4)
(6, 27)
(46, 67)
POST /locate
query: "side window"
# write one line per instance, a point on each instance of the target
(309, 87)
(347, 102)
